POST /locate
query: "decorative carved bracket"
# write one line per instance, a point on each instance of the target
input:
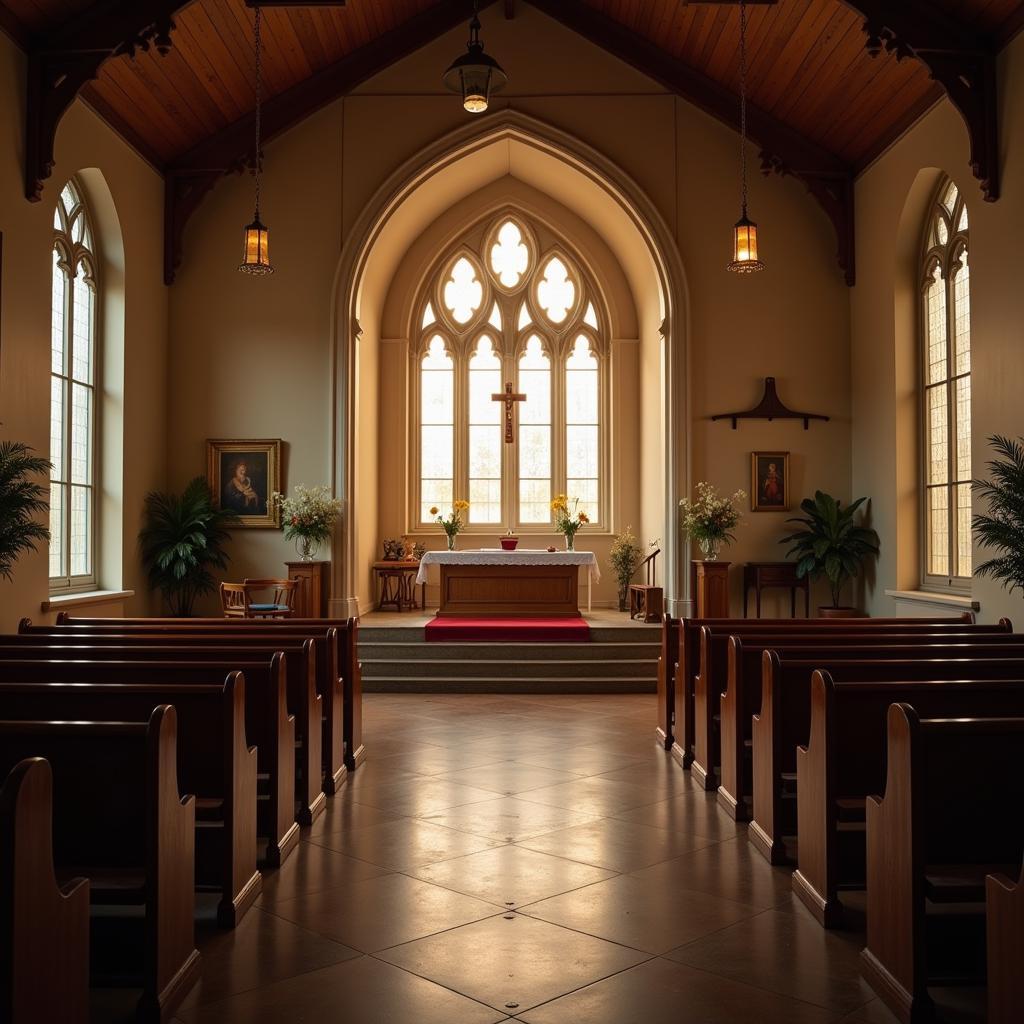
(770, 408)
(961, 61)
(62, 61)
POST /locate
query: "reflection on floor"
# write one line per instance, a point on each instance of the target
(533, 859)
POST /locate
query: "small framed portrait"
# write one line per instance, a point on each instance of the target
(243, 475)
(769, 481)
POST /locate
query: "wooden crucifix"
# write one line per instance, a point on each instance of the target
(508, 396)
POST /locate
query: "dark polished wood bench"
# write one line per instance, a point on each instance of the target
(44, 927)
(1004, 946)
(268, 724)
(303, 700)
(215, 764)
(343, 715)
(950, 816)
(844, 761)
(120, 820)
(680, 688)
(668, 658)
(784, 723)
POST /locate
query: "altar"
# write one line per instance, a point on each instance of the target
(522, 583)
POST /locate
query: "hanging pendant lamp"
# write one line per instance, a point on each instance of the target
(256, 249)
(744, 233)
(475, 74)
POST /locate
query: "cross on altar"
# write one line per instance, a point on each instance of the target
(508, 396)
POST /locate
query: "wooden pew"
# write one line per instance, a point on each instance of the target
(215, 764)
(688, 666)
(119, 819)
(1004, 947)
(844, 761)
(784, 722)
(343, 716)
(44, 927)
(667, 661)
(303, 700)
(723, 724)
(950, 816)
(267, 722)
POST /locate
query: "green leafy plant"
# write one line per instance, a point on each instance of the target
(1003, 527)
(832, 542)
(625, 557)
(21, 501)
(182, 541)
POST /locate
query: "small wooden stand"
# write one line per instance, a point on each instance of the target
(398, 585)
(646, 601)
(763, 575)
(712, 588)
(314, 590)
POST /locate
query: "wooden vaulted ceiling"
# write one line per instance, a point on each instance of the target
(808, 63)
(824, 100)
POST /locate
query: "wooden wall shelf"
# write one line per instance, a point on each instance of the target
(770, 408)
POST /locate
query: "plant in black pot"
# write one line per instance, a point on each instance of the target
(21, 501)
(182, 541)
(831, 543)
(1002, 528)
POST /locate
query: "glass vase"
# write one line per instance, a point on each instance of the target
(711, 548)
(570, 542)
(451, 541)
(307, 548)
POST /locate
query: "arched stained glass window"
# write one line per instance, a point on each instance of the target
(73, 375)
(946, 394)
(511, 311)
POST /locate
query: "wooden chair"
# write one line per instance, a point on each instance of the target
(646, 601)
(237, 603)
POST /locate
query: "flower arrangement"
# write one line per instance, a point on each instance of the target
(709, 519)
(452, 524)
(625, 557)
(567, 522)
(308, 516)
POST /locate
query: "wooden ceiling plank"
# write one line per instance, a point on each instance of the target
(207, 43)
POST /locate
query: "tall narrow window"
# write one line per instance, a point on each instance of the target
(946, 389)
(514, 308)
(72, 397)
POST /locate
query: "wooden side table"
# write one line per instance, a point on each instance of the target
(314, 590)
(765, 575)
(712, 588)
(397, 581)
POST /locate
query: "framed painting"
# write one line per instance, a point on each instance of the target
(243, 475)
(769, 481)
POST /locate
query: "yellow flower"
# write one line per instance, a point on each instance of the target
(461, 505)
(433, 510)
(560, 504)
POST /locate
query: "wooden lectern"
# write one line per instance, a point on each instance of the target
(711, 588)
(314, 589)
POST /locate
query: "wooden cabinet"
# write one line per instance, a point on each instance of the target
(314, 590)
(712, 589)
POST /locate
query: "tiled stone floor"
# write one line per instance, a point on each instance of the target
(533, 859)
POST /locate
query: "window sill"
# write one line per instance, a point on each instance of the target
(928, 597)
(61, 602)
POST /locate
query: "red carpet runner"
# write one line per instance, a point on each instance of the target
(538, 631)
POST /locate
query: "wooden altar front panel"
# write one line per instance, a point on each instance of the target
(510, 591)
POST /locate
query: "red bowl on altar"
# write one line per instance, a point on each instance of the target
(509, 543)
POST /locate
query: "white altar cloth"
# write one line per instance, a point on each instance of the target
(521, 556)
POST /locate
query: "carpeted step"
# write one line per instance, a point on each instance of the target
(491, 684)
(508, 668)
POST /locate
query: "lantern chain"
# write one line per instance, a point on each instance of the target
(259, 96)
(743, 103)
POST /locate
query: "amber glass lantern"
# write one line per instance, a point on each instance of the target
(474, 74)
(256, 254)
(744, 247)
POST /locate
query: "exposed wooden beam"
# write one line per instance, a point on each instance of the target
(960, 60)
(190, 177)
(783, 150)
(63, 60)
(294, 3)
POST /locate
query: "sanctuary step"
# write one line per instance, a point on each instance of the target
(616, 660)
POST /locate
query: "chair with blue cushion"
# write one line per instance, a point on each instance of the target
(278, 599)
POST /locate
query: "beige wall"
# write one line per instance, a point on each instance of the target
(891, 198)
(253, 357)
(126, 199)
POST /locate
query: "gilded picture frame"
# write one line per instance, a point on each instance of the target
(769, 481)
(243, 474)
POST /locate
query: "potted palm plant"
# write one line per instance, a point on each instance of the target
(182, 541)
(21, 501)
(831, 543)
(1002, 528)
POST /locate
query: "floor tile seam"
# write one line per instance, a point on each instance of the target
(362, 860)
(840, 1015)
(502, 908)
(509, 842)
